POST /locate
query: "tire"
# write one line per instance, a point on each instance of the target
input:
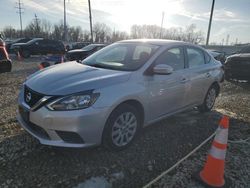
(25, 54)
(118, 135)
(209, 99)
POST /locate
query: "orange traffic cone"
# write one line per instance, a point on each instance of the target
(213, 171)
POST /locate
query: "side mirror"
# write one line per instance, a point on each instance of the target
(163, 69)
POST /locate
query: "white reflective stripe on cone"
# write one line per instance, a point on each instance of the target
(217, 153)
(221, 136)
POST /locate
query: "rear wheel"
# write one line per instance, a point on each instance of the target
(209, 100)
(121, 128)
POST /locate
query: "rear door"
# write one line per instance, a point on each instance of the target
(200, 74)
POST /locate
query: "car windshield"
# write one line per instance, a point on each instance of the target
(89, 47)
(122, 56)
(32, 41)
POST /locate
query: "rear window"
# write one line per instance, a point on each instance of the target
(195, 57)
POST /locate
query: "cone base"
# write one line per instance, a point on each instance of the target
(196, 176)
(210, 184)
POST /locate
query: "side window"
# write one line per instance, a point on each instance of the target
(141, 51)
(173, 57)
(98, 48)
(207, 58)
(195, 57)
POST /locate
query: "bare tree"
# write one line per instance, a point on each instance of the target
(101, 32)
(10, 33)
(189, 34)
(119, 35)
(75, 34)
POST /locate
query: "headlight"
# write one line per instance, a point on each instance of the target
(73, 102)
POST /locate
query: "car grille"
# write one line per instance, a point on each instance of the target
(31, 97)
(70, 137)
(39, 131)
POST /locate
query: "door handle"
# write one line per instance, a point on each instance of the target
(184, 80)
(208, 75)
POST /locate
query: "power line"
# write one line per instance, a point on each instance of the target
(20, 12)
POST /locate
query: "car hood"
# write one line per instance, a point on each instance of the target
(72, 77)
(18, 44)
(236, 57)
(76, 51)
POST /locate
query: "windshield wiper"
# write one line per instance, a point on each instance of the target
(97, 66)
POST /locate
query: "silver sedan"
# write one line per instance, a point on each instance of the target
(108, 97)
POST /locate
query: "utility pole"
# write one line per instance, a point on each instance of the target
(90, 21)
(65, 22)
(227, 41)
(20, 12)
(37, 24)
(162, 19)
(210, 22)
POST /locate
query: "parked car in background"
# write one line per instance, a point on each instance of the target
(237, 66)
(39, 46)
(117, 91)
(10, 43)
(220, 56)
(80, 54)
(5, 62)
(76, 45)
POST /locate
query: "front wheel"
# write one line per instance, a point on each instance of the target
(121, 128)
(209, 100)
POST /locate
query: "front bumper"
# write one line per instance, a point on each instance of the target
(77, 128)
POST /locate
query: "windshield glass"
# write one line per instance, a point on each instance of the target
(33, 40)
(89, 47)
(122, 56)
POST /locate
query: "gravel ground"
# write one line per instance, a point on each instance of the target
(234, 102)
(26, 163)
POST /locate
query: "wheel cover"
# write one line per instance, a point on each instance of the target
(211, 96)
(124, 129)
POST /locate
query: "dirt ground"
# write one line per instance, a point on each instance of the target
(26, 163)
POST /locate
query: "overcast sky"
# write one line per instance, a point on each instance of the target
(230, 16)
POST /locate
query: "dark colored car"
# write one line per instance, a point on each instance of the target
(39, 46)
(21, 40)
(5, 62)
(76, 45)
(80, 54)
(237, 66)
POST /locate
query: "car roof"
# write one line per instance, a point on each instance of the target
(159, 42)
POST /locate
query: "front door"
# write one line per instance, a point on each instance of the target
(166, 93)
